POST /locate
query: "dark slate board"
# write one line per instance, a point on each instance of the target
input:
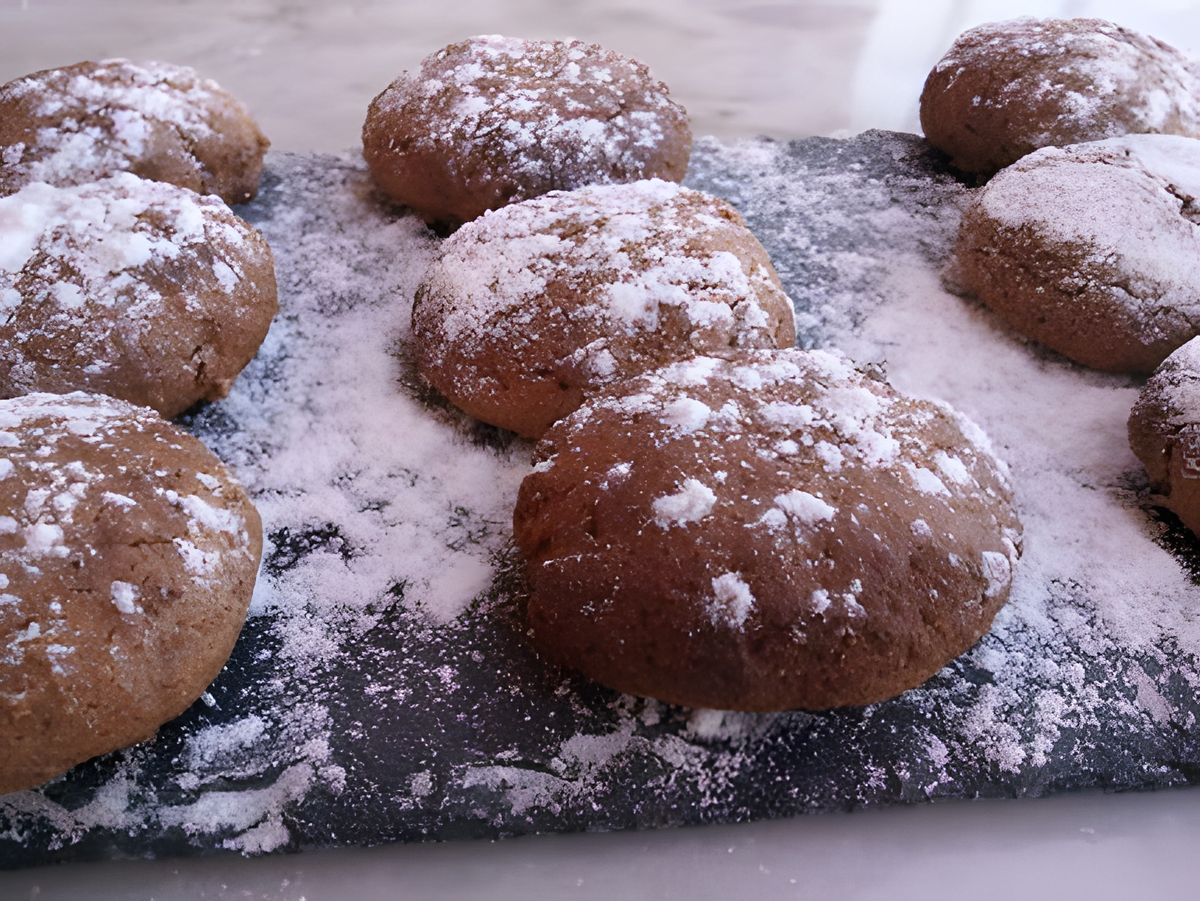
(398, 727)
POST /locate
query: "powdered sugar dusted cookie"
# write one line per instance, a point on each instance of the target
(773, 532)
(133, 288)
(1164, 432)
(493, 120)
(1093, 250)
(1005, 89)
(85, 122)
(127, 559)
(530, 307)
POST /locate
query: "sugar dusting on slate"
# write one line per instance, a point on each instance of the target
(382, 689)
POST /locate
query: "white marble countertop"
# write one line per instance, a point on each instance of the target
(307, 69)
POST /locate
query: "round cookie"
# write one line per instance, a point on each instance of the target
(133, 288)
(84, 122)
(127, 559)
(529, 308)
(1093, 249)
(493, 120)
(1164, 432)
(768, 533)
(1007, 88)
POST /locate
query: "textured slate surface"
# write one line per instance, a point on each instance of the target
(395, 725)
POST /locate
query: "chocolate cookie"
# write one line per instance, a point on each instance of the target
(1164, 432)
(85, 122)
(773, 532)
(531, 307)
(493, 120)
(1093, 249)
(138, 289)
(127, 559)
(1007, 88)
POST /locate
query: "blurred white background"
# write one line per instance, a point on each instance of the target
(788, 68)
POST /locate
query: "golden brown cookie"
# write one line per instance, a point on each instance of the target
(1005, 89)
(1092, 250)
(138, 289)
(1164, 432)
(85, 122)
(127, 559)
(772, 532)
(529, 308)
(493, 120)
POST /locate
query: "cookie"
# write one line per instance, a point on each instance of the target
(1005, 89)
(84, 122)
(1092, 250)
(138, 289)
(529, 308)
(1164, 432)
(493, 120)
(128, 555)
(773, 532)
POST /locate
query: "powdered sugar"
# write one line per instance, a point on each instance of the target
(691, 503)
(803, 508)
(124, 597)
(732, 600)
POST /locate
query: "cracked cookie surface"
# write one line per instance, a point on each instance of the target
(1007, 88)
(771, 531)
(128, 556)
(138, 289)
(1092, 250)
(530, 308)
(90, 120)
(493, 120)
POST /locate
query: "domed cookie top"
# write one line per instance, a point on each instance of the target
(530, 307)
(133, 288)
(1008, 88)
(1164, 432)
(493, 120)
(770, 532)
(1093, 249)
(128, 557)
(84, 122)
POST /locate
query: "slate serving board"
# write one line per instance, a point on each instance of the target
(359, 707)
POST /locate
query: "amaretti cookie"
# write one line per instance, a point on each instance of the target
(771, 532)
(1164, 432)
(527, 309)
(84, 122)
(1093, 249)
(128, 556)
(138, 289)
(1005, 89)
(493, 120)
